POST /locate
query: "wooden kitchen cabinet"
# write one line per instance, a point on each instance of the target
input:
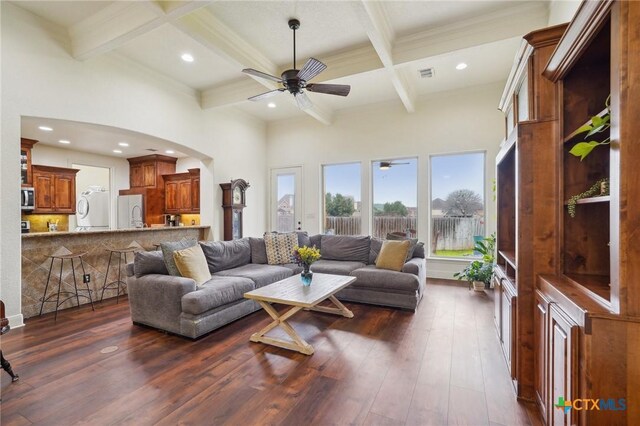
(562, 366)
(541, 363)
(26, 174)
(55, 189)
(182, 192)
(147, 171)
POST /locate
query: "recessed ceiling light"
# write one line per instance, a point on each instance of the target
(45, 128)
(187, 57)
(169, 151)
(117, 151)
(64, 141)
(461, 66)
(123, 144)
(271, 105)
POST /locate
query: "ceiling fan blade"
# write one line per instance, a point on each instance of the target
(330, 89)
(303, 101)
(396, 164)
(312, 68)
(261, 74)
(266, 95)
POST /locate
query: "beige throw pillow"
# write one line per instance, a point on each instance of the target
(280, 247)
(191, 263)
(393, 255)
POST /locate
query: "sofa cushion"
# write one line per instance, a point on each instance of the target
(385, 280)
(316, 240)
(346, 247)
(149, 262)
(192, 264)
(280, 247)
(374, 250)
(167, 253)
(258, 251)
(295, 268)
(303, 239)
(222, 255)
(335, 267)
(216, 292)
(261, 275)
(419, 251)
(393, 255)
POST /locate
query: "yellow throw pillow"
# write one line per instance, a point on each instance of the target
(392, 255)
(191, 263)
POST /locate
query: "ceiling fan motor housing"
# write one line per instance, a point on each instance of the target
(292, 82)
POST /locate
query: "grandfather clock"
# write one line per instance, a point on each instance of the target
(233, 201)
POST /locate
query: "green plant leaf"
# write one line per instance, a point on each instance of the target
(596, 121)
(584, 128)
(582, 149)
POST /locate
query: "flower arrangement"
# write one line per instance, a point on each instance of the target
(305, 255)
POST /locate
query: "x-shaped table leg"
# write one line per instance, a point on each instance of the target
(298, 343)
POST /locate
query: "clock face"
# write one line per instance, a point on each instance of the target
(237, 196)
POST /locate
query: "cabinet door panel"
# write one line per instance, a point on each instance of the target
(43, 184)
(149, 174)
(135, 176)
(506, 328)
(562, 363)
(64, 190)
(541, 321)
(184, 195)
(195, 194)
(171, 197)
(497, 305)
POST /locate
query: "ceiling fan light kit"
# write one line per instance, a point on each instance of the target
(296, 81)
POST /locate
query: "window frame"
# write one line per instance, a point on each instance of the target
(429, 255)
(323, 192)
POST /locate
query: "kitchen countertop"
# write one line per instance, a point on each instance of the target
(110, 231)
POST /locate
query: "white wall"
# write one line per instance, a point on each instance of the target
(457, 121)
(41, 79)
(561, 11)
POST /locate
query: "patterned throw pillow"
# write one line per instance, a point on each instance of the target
(280, 247)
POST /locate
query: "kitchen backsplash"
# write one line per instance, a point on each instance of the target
(190, 219)
(39, 221)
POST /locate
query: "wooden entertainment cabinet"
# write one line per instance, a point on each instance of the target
(569, 287)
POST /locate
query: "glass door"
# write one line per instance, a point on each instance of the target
(286, 200)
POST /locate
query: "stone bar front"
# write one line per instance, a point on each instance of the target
(37, 247)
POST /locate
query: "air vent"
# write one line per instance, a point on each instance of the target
(427, 73)
(152, 150)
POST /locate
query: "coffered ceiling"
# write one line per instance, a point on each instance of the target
(376, 47)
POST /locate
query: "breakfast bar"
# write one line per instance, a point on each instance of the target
(38, 247)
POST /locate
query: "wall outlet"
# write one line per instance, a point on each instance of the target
(86, 278)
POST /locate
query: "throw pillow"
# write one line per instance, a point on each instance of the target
(346, 247)
(419, 251)
(258, 250)
(167, 253)
(393, 255)
(192, 264)
(414, 242)
(303, 239)
(149, 262)
(376, 245)
(280, 247)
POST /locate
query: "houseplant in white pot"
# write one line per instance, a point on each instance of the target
(478, 273)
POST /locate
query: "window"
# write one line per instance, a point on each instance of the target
(395, 197)
(457, 204)
(342, 201)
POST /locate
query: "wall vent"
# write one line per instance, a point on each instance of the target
(427, 73)
(152, 150)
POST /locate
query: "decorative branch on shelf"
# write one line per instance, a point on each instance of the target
(596, 125)
(600, 188)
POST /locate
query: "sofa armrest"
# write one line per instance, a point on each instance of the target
(130, 270)
(414, 266)
(156, 300)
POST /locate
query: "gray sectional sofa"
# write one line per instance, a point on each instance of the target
(177, 305)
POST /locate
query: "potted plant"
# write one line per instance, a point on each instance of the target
(480, 272)
(304, 256)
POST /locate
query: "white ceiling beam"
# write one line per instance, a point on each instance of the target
(381, 35)
(121, 22)
(212, 33)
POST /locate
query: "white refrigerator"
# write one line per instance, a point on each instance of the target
(130, 212)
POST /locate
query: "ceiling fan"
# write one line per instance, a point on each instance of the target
(386, 165)
(296, 81)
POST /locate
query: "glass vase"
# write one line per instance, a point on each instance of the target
(306, 275)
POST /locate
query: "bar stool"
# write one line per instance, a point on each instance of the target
(118, 284)
(68, 294)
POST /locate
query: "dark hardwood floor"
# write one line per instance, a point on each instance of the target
(441, 365)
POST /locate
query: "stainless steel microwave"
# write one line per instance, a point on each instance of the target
(28, 198)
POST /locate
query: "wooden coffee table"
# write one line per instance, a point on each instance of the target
(290, 291)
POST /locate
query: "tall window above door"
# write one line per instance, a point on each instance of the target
(342, 199)
(395, 197)
(457, 204)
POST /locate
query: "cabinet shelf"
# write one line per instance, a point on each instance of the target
(509, 257)
(573, 135)
(590, 200)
